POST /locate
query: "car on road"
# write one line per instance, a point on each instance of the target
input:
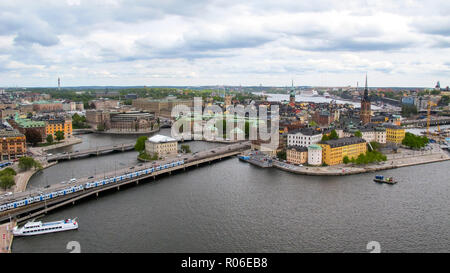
(73, 180)
(131, 168)
(48, 186)
(49, 154)
(90, 177)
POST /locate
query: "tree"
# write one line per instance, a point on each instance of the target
(185, 148)
(312, 123)
(26, 163)
(325, 138)
(282, 154)
(333, 134)
(375, 145)
(7, 181)
(155, 156)
(59, 135)
(140, 143)
(49, 139)
(415, 142)
(346, 160)
(358, 133)
(8, 170)
(33, 136)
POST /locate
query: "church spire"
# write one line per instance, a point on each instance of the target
(366, 91)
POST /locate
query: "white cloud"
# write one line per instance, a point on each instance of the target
(180, 42)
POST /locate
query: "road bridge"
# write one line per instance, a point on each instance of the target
(34, 209)
(100, 150)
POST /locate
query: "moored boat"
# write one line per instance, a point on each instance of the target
(35, 228)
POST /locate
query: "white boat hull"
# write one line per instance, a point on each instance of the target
(38, 228)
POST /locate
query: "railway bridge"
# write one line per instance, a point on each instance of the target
(35, 209)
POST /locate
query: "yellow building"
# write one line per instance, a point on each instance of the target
(297, 154)
(54, 125)
(334, 151)
(394, 133)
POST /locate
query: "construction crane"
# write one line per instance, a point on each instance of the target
(430, 104)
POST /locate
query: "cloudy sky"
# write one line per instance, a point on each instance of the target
(188, 42)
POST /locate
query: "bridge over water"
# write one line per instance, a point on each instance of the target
(100, 150)
(35, 209)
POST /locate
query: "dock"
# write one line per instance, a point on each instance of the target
(7, 236)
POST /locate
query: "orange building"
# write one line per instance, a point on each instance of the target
(12, 144)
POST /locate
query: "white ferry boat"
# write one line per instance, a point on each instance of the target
(35, 228)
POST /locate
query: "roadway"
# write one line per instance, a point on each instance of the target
(92, 151)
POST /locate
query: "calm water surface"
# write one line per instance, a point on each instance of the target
(231, 206)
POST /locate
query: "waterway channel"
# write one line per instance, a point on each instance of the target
(231, 206)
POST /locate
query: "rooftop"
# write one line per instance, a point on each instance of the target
(305, 131)
(343, 141)
(161, 139)
(298, 148)
(314, 147)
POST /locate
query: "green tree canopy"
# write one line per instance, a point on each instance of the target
(26, 163)
(140, 143)
(415, 142)
(59, 135)
(8, 170)
(49, 139)
(185, 148)
(358, 133)
(7, 181)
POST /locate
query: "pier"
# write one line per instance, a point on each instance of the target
(35, 209)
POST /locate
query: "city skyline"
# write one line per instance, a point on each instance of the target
(123, 43)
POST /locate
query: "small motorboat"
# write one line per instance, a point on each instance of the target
(382, 179)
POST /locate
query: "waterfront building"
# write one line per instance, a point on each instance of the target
(314, 155)
(160, 107)
(394, 133)
(365, 106)
(163, 145)
(334, 151)
(303, 137)
(131, 122)
(53, 125)
(12, 144)
(297, 155)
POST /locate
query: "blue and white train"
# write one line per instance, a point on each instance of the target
(87, 185)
